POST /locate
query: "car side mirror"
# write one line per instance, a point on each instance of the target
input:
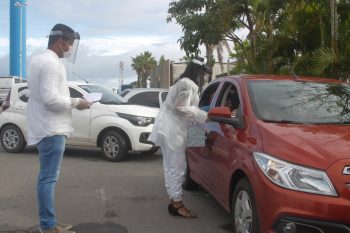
(223, 112)
(223, 115)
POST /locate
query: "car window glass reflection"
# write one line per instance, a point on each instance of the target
(229, 98)
(300, 102)
(150, 99)
(108, 96)
(207, 97)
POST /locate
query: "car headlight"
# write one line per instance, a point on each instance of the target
(295, 177)
(137, 120)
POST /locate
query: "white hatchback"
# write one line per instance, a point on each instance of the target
(112, 124)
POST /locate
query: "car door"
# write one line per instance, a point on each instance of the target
(223, 144)
(195, 155)
(81, 121)
(162, 97)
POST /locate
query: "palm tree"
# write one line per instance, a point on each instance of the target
(143, 64)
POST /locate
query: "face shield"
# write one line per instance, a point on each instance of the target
(71, 54)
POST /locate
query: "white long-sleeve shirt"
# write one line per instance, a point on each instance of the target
(49, 105)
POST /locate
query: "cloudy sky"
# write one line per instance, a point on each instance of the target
(111, 31)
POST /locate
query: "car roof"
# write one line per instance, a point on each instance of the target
(70, 83)
(139, 90)
(148, 89)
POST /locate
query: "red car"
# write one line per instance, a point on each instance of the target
(277, 153)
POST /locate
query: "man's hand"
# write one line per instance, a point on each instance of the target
(83, 104)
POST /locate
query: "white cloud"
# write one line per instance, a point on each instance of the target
(111, 31)
(119, 45)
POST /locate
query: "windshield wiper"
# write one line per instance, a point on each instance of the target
(283, 121)
(336, 123)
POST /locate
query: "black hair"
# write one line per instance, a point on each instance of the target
(195, 71)
(63, 28)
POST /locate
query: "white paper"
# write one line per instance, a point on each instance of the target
(93, 97)
(213, 126)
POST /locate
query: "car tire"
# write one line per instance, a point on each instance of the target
(12, 139)
(113, 146)
(189, 183)
(244, 210)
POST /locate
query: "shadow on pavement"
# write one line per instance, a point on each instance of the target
(90, 154)
(107, 227)
(95, 154)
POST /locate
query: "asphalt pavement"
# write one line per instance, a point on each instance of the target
(98, 196)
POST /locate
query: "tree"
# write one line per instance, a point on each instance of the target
(143, 64)
(161, 60)
(203, 23)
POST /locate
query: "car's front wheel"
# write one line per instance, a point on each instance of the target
(12, 139)
(244, 210)
(114, 147)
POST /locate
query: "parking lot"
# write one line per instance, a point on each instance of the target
(102, 197)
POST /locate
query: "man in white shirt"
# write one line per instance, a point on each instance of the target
(49, 117)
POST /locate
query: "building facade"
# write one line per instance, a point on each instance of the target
(164, 75)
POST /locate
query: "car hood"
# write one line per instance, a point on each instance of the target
(136, 110)
(317, 146)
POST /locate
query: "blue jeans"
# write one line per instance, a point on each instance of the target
(51, 151)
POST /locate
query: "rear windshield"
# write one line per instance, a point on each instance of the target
(300, 102)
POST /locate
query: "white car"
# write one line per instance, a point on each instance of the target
(152, 97)
(112, 123)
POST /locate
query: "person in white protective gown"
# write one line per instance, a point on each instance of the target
(170, 131)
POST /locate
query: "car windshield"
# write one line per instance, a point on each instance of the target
(300, 102)
(108, 96)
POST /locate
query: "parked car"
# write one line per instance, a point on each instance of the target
(5, 86)
(279, 158)
(123, 87)
(112, 123)
(151, 97)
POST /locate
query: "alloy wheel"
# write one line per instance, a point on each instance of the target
(111, 146)
(10, 139)
(243, 213)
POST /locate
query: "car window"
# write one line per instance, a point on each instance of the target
(74, 93)
(23, 94)
(163, 96)
(229, 97)
(300, 102)
(149, 98)
(124, 93)
(207, 96)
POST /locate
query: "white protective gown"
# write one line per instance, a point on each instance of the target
(170, 131)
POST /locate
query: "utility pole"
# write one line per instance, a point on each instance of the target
(121, 73)
(18, 38)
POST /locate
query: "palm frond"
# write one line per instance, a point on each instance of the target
(323, 58)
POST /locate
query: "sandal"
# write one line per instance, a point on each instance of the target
(174, 211)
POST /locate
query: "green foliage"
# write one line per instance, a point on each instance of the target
(305, 37)
(161, 60)
(143, 64)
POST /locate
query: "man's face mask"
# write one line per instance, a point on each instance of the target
(68, 53)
